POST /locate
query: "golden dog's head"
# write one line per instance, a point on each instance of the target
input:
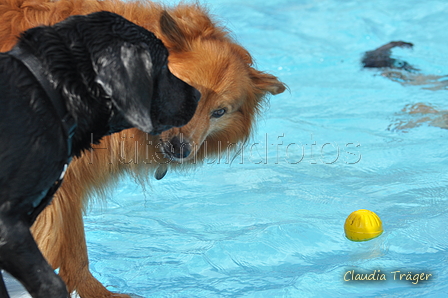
(232, 91)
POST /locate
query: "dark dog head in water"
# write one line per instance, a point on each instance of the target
(380, 57)
(401, 71)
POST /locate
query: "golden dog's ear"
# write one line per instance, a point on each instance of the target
(125, 74)
(265, 82)
(182, 25)
(173, 36)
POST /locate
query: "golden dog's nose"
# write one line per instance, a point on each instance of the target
(177, 148)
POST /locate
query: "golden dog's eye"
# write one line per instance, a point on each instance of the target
(218, 113)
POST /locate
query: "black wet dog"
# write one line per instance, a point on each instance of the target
(380, 57)
(399, 70)
(61, 88)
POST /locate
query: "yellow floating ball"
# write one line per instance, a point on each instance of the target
(363, 225)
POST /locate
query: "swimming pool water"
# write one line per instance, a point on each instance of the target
(270, 224)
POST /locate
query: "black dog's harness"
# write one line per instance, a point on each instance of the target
(67, 121)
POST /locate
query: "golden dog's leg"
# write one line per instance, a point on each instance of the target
(59, 232)
(74, 268)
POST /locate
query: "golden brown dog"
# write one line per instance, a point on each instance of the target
(201, 53)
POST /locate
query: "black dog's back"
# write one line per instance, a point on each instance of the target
(25, 144)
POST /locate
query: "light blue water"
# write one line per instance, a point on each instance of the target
(272, 225)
